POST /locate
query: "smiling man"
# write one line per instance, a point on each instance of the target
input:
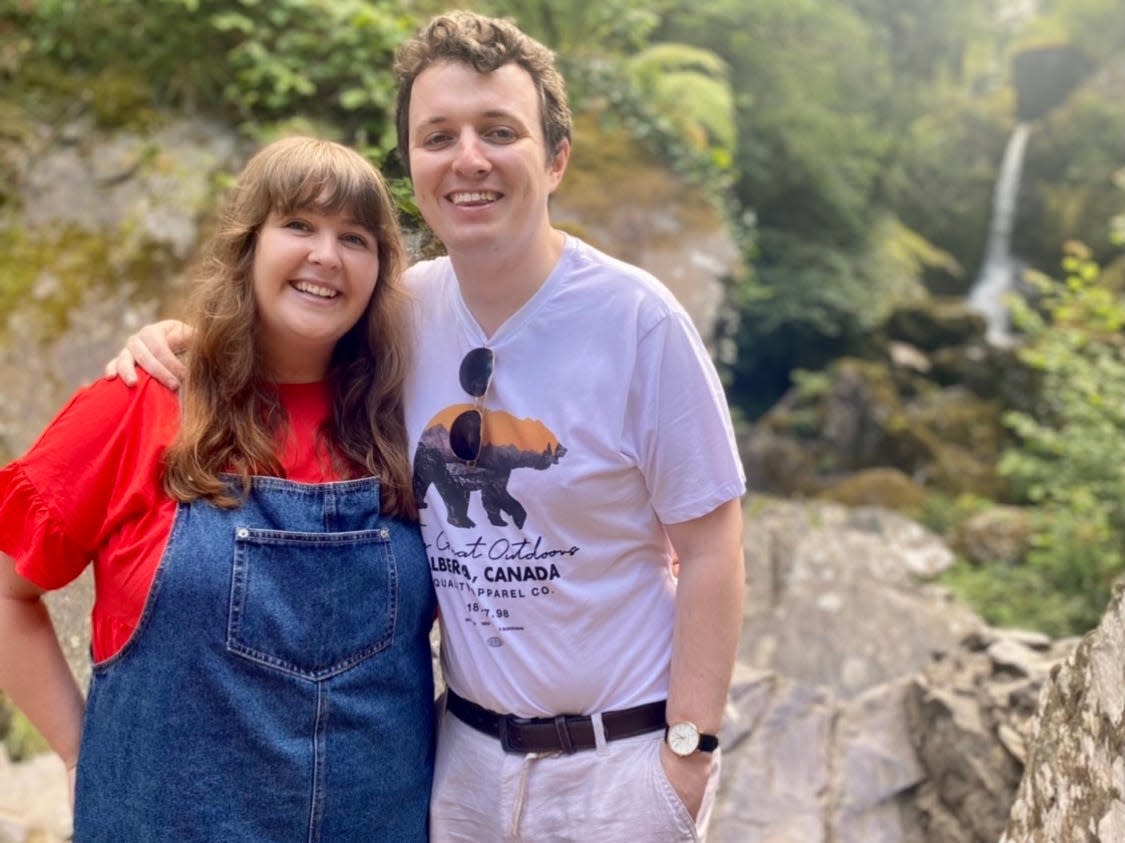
(572, 435)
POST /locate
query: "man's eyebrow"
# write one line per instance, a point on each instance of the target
(491, 114)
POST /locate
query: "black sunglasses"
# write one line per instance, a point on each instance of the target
(476, 376)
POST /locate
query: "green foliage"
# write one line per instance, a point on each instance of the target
(1069, 190)
(926, 40)
(21, 739)
(1070, 461)
(942, 182)
(908, 255)
(582, 27)
(329, 60)
(804, 77)
(944, 513)
(1017, 597)
(1093, 25)
(690, 87)
(814, 302)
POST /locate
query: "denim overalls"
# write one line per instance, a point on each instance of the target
(278, 687)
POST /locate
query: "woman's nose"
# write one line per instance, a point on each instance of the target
(325, 251)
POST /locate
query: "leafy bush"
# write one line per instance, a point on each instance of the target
(1070, 461)
(1015, 597)
(1068, 190)
(327, 60)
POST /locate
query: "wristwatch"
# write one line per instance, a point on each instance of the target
(684, 738)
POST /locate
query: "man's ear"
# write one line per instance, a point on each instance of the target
(556, 167)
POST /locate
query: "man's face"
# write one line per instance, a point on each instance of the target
(478, 158)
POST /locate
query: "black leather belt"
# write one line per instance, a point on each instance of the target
(565, 733)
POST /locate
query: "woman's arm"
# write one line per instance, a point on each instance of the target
(33, 671)
(154, 348)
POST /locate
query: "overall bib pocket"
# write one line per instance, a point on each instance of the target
(311, 604)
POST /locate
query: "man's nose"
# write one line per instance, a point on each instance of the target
(471, 159)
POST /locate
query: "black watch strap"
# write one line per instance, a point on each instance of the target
(708, 743)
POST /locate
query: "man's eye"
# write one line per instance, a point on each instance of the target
(502, 134)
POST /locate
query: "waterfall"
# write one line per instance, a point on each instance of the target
(997, 272)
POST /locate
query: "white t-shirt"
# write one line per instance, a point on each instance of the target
(605, 418)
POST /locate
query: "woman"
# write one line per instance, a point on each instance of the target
(260, 629)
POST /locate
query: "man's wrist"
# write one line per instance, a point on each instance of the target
(684, 738)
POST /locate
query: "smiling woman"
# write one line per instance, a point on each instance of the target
(313, 274)
(256, 557)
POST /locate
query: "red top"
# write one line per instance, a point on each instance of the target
(91, 489)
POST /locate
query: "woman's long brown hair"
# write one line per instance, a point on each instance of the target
(232, 416)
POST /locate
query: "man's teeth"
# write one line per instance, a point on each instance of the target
(316, 290)
(469, 198)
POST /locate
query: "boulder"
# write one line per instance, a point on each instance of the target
(868, 706)
(825, 583)
(935, 324)
(1073, 788)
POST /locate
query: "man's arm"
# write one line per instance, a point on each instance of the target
(154, 348)
(33, 671)
(709, 598)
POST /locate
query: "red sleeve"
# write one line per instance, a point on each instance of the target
(95, 470)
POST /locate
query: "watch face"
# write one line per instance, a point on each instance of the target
(683, 738)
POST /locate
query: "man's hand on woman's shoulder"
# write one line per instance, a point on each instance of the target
(154, 348)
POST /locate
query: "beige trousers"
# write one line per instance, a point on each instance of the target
(617, 792)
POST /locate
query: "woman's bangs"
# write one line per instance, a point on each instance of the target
(330, 187)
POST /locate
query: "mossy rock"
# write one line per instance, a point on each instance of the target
(999, 535)
(854, 419)
(935, 324)
(990, 372)
(960, 418)
(959, 471)
(884, 487)
(16, 133)
(778, 465)
(865, 422)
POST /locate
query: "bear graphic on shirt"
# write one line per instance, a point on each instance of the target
(509, 443)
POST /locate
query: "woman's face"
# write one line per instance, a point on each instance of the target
(313, 275)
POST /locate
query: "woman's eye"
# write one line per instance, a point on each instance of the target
(297, 225)
(356, 239)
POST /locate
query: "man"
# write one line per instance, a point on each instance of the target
(571, 437)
